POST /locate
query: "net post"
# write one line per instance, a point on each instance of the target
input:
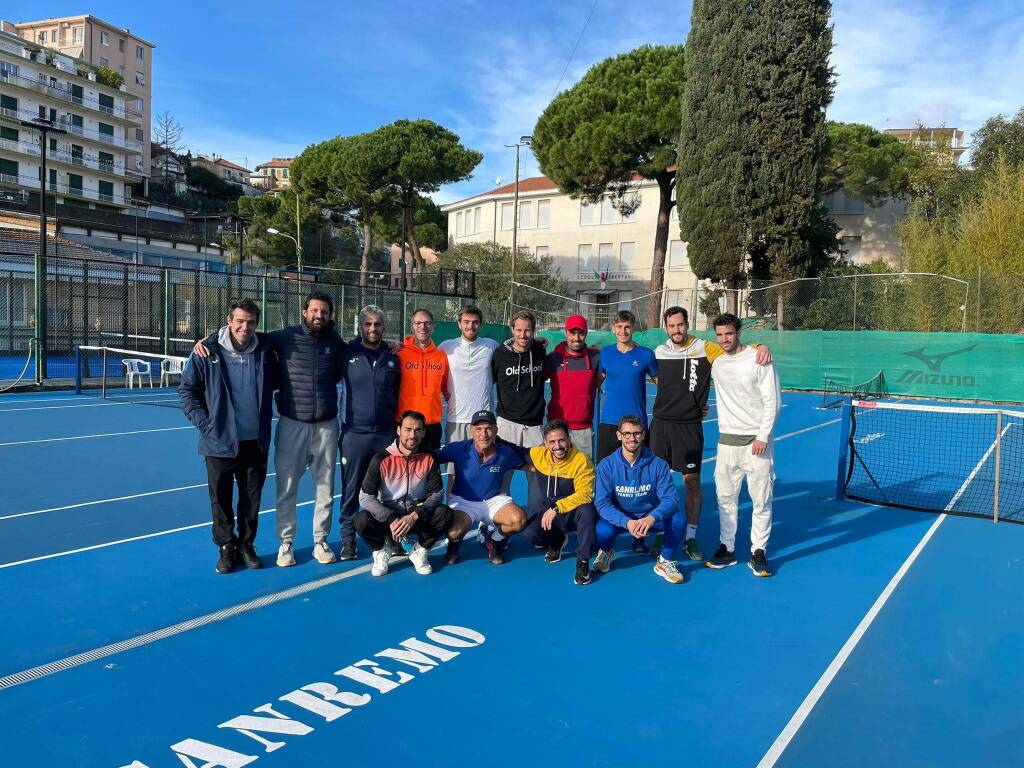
(995, 489)
(78, 369)
(844, 449)
(166, 275)
(103, 377)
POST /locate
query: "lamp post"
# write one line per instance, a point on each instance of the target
(524, 141)
(135, 204)
(45, 128)
(298, 248)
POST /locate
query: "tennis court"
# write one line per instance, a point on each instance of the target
(886, 637)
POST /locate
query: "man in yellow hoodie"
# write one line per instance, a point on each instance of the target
(560, 498)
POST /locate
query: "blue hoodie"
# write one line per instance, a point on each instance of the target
(627, 492)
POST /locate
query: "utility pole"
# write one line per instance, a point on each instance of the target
(45, 128)
(298, 231)
(524, 141)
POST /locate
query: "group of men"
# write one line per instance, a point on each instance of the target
(393, 443)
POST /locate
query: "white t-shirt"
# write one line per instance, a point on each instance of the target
(747, 394)
(469, 377)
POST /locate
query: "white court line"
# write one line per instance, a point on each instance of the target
(135, 538)
(62, 407)
(89, 437)
(103, 434)
(117, 498)
(804, 710)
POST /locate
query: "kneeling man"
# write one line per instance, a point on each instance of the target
(401, 495)
(561, 494)
(635, 493)
(480, 466)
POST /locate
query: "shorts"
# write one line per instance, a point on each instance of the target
(583, 439)
(431, 438)
(679, 443)
(457, 431)
(479, 511)
(608, 440)
(520, 434)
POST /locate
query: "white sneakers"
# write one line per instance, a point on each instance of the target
(285, 556)
(323, 553)
(418, 558)
(381, 560)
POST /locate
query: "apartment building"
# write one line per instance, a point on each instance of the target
(272, 176)
(95, 162)
(949, 139)
(96, 42)
(604, 255)
(233, 173)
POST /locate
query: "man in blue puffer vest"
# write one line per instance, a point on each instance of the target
(635, 494)
(226, 394)
(371, 373)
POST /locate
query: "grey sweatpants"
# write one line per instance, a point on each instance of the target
(298, 446)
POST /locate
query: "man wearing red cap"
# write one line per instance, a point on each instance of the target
(572, 369)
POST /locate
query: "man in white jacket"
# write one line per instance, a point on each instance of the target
(748, 400)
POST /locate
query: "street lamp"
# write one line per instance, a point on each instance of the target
(298, 248)
(524, 141)
(45, 128)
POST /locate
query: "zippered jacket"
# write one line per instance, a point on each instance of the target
(395, 483)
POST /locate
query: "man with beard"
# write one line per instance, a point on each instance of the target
(307, 369)
(401, 496)
(424, 379)
(469, 374)
(573, 369)
(677, 431)
(371, 374)
(518, 370)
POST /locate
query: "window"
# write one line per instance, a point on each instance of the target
(625, 299)
(608, 214)
(104, 39)
(77, 35)
(476, 220)
(851, 248)
(10, 134)
(544, 213)
(41, 38)
(106, 103)
(542, 251)
(525, 215)
(506, 215)
(106, 133)
(106, 189)
(604, 257)
(140, 53)
(140, 135)
(285, 173)
(9, 105)
(140, 78)
(53, 145)
(120, 69)
(106, 162)
(104, 62)
(8, 170)
(120, 45)
(631, 201)
(458, 225)
(53, 178)
(586, 213)
(627, 252)
(74, 183)
(585, 258)
(677, 255)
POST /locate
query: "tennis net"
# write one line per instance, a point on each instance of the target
(128, 375)
(835, 392)
(965, 461)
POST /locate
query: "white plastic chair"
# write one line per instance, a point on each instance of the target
(170, 367)
(136, 369)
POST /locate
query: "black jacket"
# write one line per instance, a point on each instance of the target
(519, 380)
(205, 398)
(309, 367)
(371, 390)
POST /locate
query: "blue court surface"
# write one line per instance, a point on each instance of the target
(887, 637)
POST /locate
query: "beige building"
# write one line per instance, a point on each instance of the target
(232, 173)
(943, 138)
(95, 161)
(101, 44)
(272, 176)
(604, 255)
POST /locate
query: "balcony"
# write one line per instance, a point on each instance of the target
(63, 156)
(31, 182)
(126, 113)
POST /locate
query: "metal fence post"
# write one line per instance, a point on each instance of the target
(165, 331)
(263, 302)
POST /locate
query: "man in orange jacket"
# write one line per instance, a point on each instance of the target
(424, 378)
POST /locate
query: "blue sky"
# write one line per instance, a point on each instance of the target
(256, 80)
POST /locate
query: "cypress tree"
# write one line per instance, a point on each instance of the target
(709, 176)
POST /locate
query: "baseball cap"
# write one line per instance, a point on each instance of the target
(481, 416)
(576, 321)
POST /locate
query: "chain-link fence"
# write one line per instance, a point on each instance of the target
(164, 310)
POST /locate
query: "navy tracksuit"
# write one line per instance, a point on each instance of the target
(371, 399)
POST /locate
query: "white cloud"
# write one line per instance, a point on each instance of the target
(898, 64)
